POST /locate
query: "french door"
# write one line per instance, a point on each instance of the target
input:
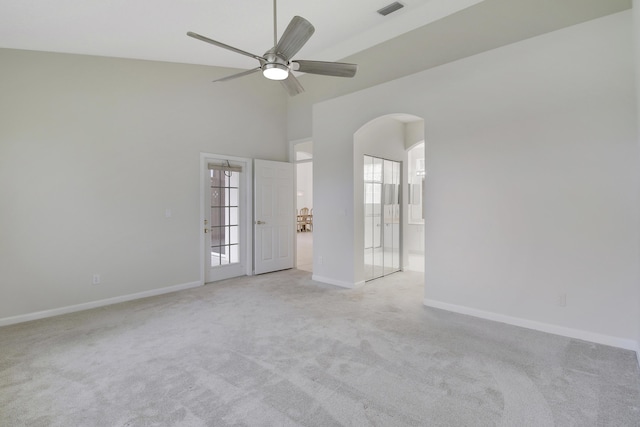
(225, 218)
(229, 229)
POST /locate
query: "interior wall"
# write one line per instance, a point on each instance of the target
(414, 133)
(636, 28)
(413, 233)
(304, 185)
(463, 30)
(533, 179)
(414, 238)
(99, 171)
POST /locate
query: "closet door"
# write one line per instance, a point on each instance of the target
(381, 217)
(391, 217)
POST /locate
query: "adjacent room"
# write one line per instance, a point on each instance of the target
(431, 219)
(304, 204)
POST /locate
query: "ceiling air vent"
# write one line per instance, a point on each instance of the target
(390, 8)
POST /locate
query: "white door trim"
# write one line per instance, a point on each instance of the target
(248, 202)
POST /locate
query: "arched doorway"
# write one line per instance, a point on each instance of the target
(380, 241)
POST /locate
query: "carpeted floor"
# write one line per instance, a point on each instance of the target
(282, 350)
(304, 240)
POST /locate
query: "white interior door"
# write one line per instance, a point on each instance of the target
(274, 221)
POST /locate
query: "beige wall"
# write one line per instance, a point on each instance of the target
(481, 27)
(93, 151)
(533, 180)
(636, 37)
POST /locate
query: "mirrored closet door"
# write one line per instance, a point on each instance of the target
(381, 217)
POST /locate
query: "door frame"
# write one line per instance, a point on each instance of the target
(247, 224)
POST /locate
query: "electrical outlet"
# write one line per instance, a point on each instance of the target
(96, 279)
(319, 260)
(562, 300)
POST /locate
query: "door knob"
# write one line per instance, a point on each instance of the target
(260, 222)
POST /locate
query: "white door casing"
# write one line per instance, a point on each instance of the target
(274, 218)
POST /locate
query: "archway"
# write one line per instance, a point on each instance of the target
(387, 137)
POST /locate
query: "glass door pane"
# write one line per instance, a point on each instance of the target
(224, 217)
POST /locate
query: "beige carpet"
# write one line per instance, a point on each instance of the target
(282, 350)
(304, 251)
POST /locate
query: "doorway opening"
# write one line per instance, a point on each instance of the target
(304, 205)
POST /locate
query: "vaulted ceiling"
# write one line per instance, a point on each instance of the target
(156, 29)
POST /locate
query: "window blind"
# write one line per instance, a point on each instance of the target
(225, 167)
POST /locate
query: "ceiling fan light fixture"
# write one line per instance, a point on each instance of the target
(275, 71)
(277, 63)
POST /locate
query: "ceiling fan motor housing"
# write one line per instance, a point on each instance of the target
(274, 67)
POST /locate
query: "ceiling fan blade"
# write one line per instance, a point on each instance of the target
(224, 46)
(292, 85)
(337, 69)
(294, 37)
(237, 75)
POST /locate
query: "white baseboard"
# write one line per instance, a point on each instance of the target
(624, 343)
(340, 283)
(94, 304)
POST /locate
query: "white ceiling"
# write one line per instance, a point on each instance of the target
(156, 29)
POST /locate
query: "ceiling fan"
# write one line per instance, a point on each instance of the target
(277, 62)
